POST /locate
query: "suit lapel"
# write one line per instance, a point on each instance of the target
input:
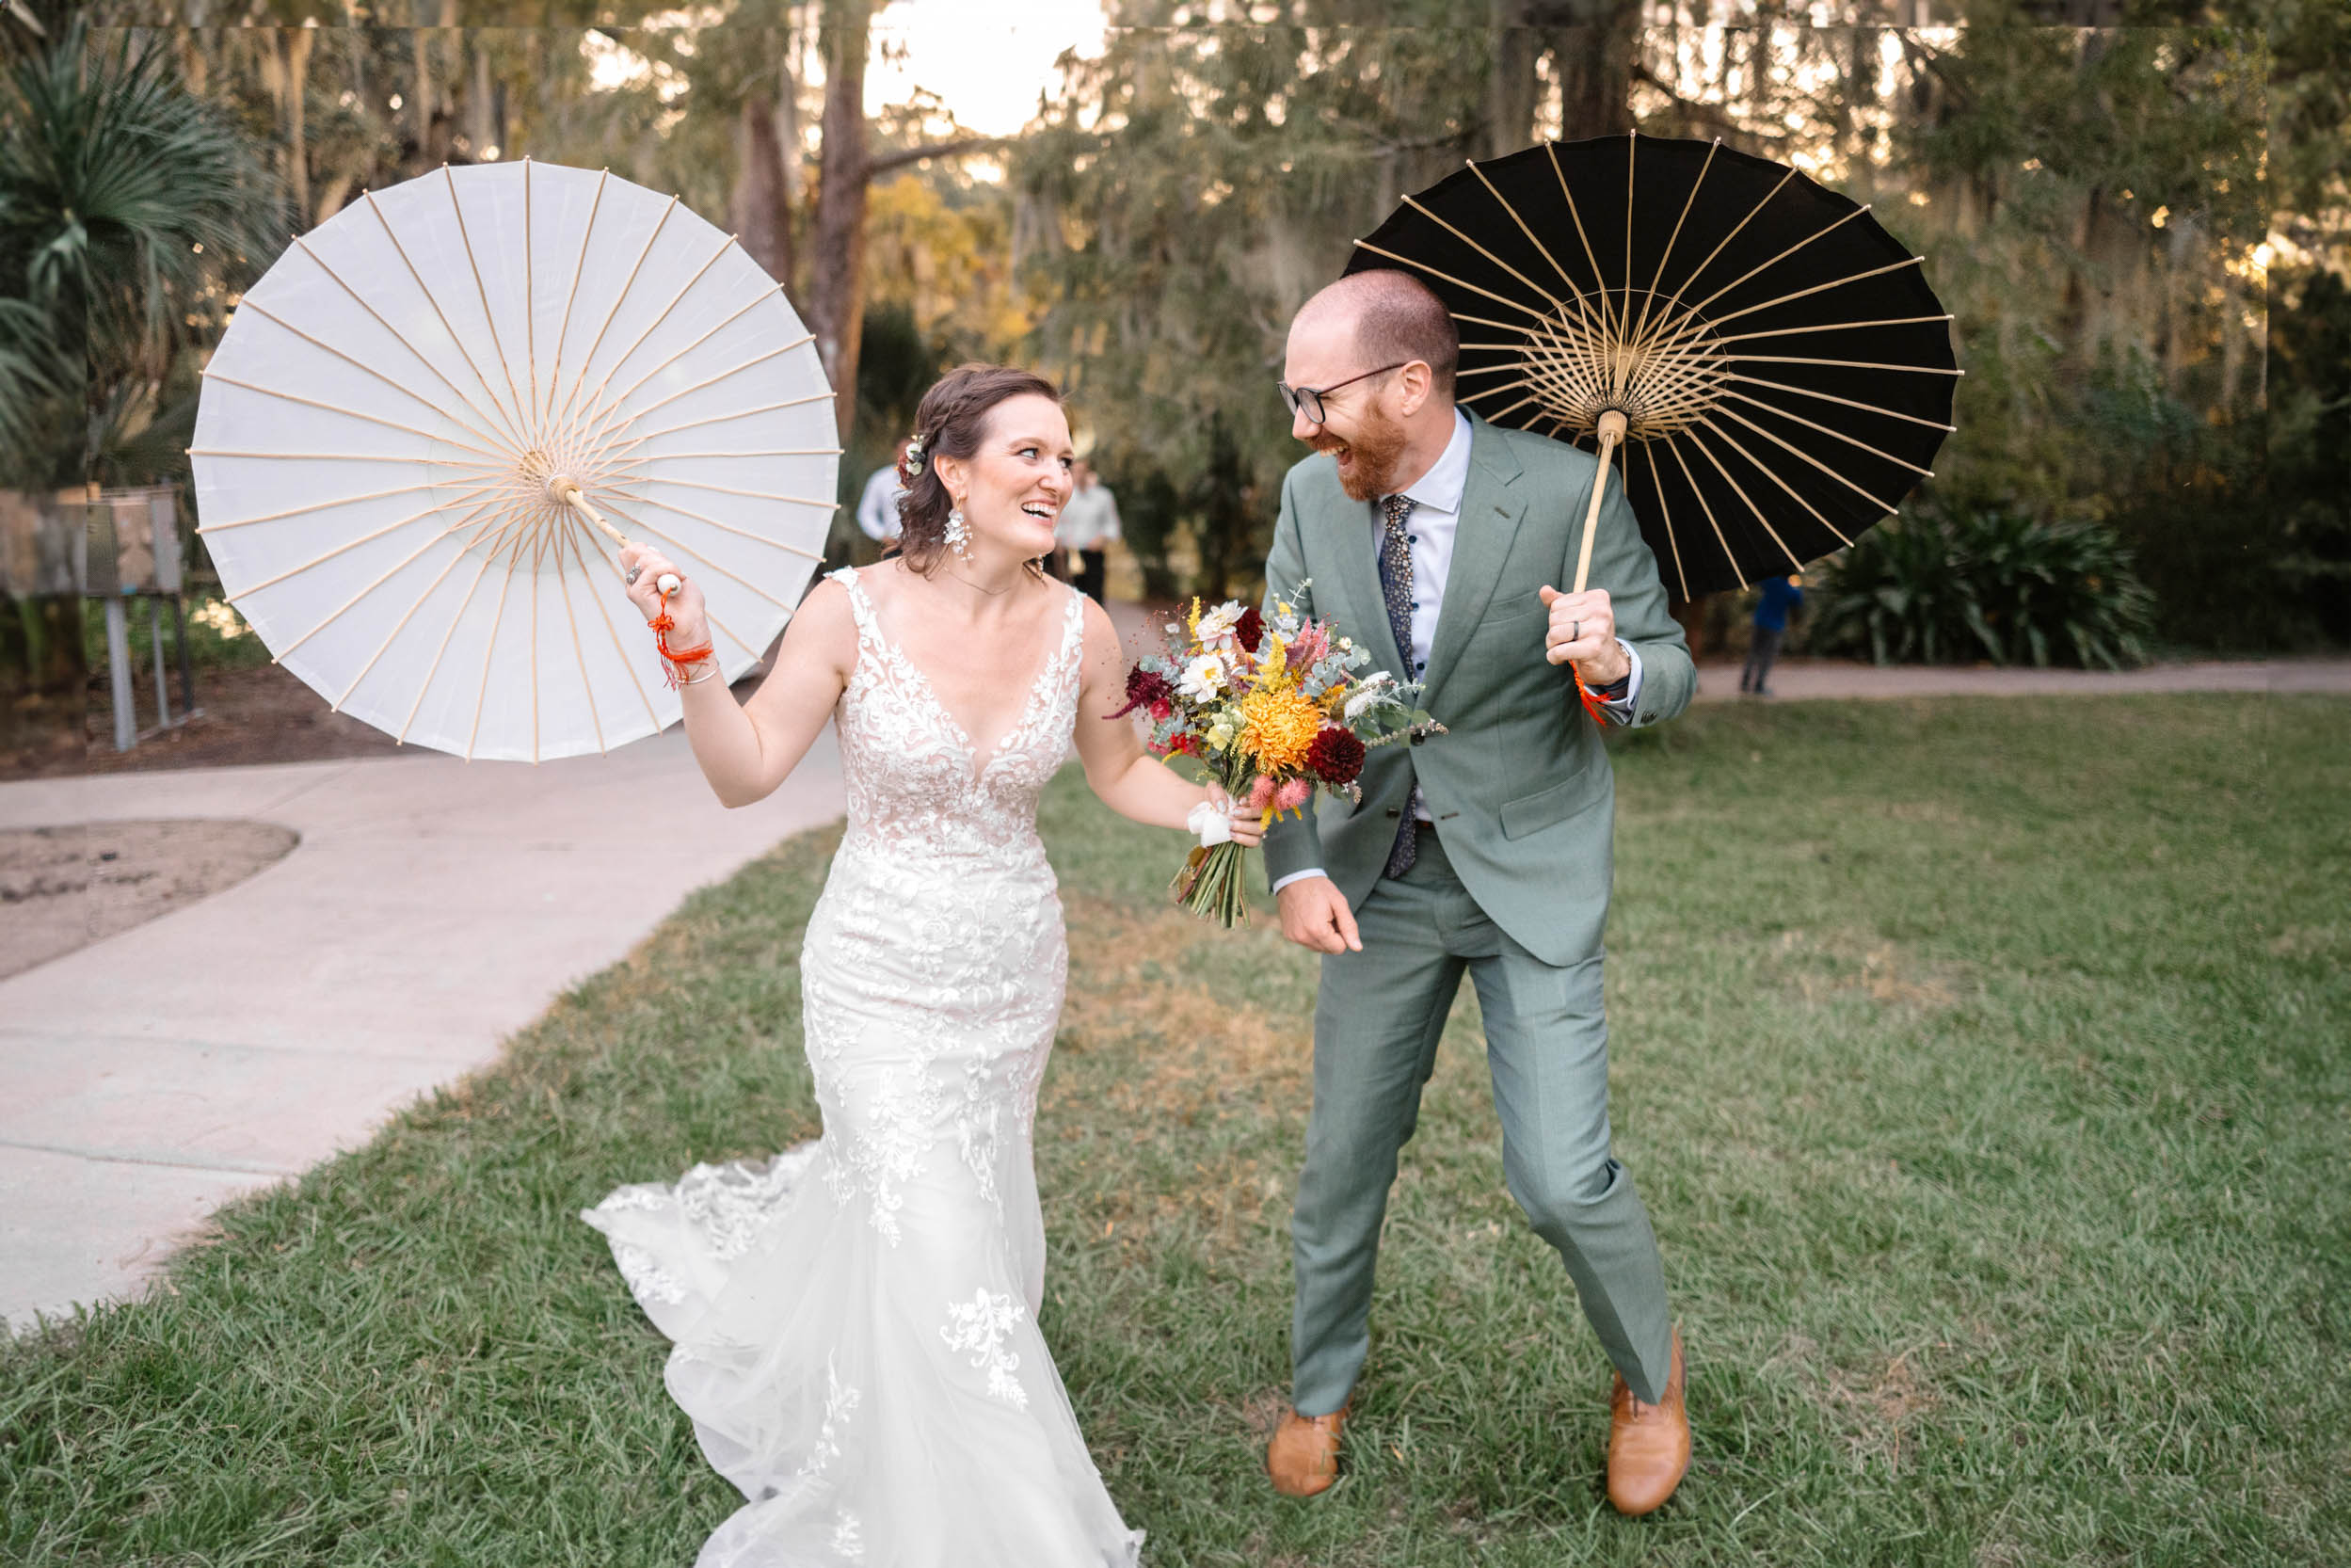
(1489, 516)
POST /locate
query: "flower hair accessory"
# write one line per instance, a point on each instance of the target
(911, 464)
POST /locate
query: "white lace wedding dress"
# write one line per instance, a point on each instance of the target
(854, 1321)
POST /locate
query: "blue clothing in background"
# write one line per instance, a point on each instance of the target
(1779, 595)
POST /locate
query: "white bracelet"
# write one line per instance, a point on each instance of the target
(698, 679)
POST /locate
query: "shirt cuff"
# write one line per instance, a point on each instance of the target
(1298, 876)
(1620, 709)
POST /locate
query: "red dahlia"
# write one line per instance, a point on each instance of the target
(1335, 756)
(1250, 630)
(1143, 689)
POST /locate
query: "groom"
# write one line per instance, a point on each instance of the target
(1440, 543)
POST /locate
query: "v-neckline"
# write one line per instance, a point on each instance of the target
(1021, 721)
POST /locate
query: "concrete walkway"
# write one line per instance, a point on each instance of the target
(432, 909)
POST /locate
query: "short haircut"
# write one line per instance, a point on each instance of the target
(1398, 318)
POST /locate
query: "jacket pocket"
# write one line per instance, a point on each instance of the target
(1551, 806)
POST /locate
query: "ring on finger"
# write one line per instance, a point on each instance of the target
(635, 572)
(1575, 632)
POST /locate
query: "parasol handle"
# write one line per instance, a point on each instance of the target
(1612, 432)
(567, 491)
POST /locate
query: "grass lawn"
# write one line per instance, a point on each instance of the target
(1983, 1063)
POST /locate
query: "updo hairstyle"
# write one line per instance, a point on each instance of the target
(950, 424)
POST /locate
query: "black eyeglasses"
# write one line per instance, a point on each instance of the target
(1308, 400)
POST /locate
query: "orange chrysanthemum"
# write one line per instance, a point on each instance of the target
(1278, 728)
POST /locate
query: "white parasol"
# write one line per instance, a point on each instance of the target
(429, 427)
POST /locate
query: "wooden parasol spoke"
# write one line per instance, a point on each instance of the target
(279, 656)
(353, 413)
(441, 650)
(1531, 238)
(1703, 504)
(492, 413)
(1830, 397)
(717, 625)
(1614, 329)
(1835, 434)
(339, 501)
(643, 527)
(376, 534)
(731, 370)
(571, 296)
(490, 645)
(1817, 234)
(686, 288)
(466, 237)
(1538, 290)
(1774, 475)
(1701, 271)
(601, 426)
(642, 500)
(1446, 277)
(1707, 453)
(410, 394)
(765, 451)
(513, 428)
(573, 536)
(1665, 512)
(1827, 327)
(579, 381)
(627, 442)
(601, 429)
(529, 332)
(1640, 327)
(826, 507)
(1497, 417)
(1775, 439)
(1846, 364)
(579, 654)
(1818, 288)
(510, 512)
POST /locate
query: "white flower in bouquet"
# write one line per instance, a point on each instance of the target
(1202, 678)
(1219, 624)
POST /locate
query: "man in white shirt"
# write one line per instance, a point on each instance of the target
(877, 508)
(1088, 523)
(1439, 541)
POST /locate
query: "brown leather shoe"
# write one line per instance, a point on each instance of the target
(1648, 1444)
(1302, 1459)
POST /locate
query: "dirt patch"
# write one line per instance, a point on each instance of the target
(247, 715)
(64, 888)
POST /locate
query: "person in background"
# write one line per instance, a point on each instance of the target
(1782, 595)
(1088, 524)
(877, 509)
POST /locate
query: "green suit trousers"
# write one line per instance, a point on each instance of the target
(1377, 1021)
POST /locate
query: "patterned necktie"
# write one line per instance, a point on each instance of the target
(1396, 585)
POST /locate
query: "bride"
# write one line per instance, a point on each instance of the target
(855, 1321)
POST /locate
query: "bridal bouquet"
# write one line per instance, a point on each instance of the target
(1273, 711)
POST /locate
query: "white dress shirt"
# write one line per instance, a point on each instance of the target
(1430, 528)
(877, 509)
(1089, 518)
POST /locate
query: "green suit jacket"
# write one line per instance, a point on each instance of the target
(1520, 784)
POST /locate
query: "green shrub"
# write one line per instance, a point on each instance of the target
(1986, 582)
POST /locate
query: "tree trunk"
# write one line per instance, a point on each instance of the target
(482, 101)
(296, 85)
(837, 280)
(1592, 47)
(1514, 47)
(762, 201)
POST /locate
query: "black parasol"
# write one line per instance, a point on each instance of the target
(1776, 354)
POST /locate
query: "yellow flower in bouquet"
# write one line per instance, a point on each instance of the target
(1278, 728)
